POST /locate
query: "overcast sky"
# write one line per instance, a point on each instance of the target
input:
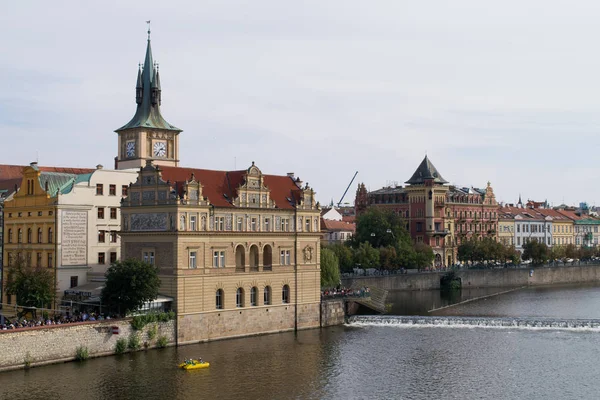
(507, 91)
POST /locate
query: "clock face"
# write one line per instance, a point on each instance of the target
(130, 149)
(159, 149)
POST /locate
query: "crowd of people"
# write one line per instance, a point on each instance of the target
(55, 320)
(346, 292)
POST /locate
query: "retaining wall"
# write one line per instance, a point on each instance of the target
(332, 312)
(505, 277)
(59, 343)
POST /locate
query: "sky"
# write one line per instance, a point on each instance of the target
(506, 92)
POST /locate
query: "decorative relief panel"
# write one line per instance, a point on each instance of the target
(149, 222)
(162, 195)
(243, 198)
(278, 223)
(264, 200)
(212, 223)
(228, 223)
(300, 225)
(253, 199)
(149, 180)
(148, 195)
(193, 195)
(203, 222)
(135, 196)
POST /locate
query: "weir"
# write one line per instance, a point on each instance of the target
(476, 322)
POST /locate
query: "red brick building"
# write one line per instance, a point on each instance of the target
(437, 214)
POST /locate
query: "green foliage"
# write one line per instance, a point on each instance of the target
(571, 251)
(558, 252)
(134, 342)
(330, 269)
(138, 322)
(33, 286)
(487, 250)
(129, 284)
(535, 251)
(423, 255)
(81, 354)
(121, 346)
(388, 257)
(366, 256)
(152, 332)
(344, 255)
(450, 282)
(380, 228)
(162, 342)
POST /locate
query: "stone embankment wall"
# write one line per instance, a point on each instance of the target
(332, 312)
(59, 343)
(499, 278)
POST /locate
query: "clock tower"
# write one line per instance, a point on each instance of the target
(148, 136)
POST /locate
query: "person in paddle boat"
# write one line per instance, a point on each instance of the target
(200, 360)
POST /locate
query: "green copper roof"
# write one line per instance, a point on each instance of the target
(147, 114)
(425, 172)
(57, 182)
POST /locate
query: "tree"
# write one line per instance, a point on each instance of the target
(33, 286)
(558, 252)
(571, 251)
(380, 228)
(388, 258)
(130, 284)
(366, 256)
(344, 255)
(536, 252)
(330, 269)
(423, 255)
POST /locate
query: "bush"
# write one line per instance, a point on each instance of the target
(134, 342)
(121, 346)
(27, 360)
(162, 342)
(82, 354)
(140, 321)
(152, 331)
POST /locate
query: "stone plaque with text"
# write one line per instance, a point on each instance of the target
(74, 238)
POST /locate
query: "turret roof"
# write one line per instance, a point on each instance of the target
(426, 171)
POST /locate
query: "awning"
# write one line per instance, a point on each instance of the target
(91, 289)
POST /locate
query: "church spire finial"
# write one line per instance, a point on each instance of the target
(148, 22)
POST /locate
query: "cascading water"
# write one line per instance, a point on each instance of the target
(476, 322)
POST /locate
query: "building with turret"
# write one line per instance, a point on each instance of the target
(237, 251)
(437, 213)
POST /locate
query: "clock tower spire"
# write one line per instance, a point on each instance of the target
(148, 136)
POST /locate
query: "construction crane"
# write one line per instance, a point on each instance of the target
(350, 184)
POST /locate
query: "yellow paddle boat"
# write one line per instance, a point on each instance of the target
(194, 364)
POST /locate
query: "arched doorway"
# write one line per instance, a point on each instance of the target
(267, 258)
(438, 261)
(240, 258)
(254, 258)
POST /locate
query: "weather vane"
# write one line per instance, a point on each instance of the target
(148, 22)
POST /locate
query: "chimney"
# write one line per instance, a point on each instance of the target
(99, 166)
(33, 164)
(290, 174)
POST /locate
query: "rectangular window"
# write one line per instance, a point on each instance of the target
(38, 261)
(113, 213)
(267, 224)
(193, 223)
(518, 228)
(113, 236)
(74, 281)
(220, 223)
(113, 257)
(124, 190)
(101, 236)
(284, 257)
(287, 257)
(518, 241)
(192, 262)
(240, 224)
(100, 212)
(437, 241)
(112, 190)
(219, 259)
(101, 259)
(419, 227)
(307, 225)
(50, 260)
(285, 224)
(253, 224)
(99, 189)
(148, 257)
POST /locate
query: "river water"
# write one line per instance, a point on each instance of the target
(534, 343)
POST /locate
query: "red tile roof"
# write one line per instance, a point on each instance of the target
(16, 171)
(330, 225)
(216, 184)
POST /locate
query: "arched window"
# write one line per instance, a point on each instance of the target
(254, 296)
(267, 256)
(20, 236)
(219, 300)
(239, 297)
(10, 238)
(39, 235)
(285, 294)
(29, 234)
(267, 295)
(240, 258)
(254, 258)
(50, 238)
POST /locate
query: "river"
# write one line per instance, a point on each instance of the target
(491, 348)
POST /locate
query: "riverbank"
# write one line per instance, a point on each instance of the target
(487, 278)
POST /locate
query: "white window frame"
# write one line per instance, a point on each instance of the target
(149, 256)
(193, 260)
(193, 225)
(219, 258)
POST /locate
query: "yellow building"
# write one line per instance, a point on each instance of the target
(506, 229)
(30, 221)
(562, 227)
(237, 251)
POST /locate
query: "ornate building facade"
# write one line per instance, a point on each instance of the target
(238, 251)
(437, 214)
